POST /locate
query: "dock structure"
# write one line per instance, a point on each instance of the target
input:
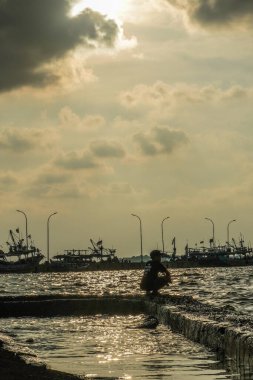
(220, 329)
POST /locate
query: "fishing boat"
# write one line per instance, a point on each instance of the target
(224, 254)
(81, 259)
(71, 260)
(234, 254)
(100, 254)
(20, 257)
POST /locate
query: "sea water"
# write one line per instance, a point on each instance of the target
(216, 286)
(108, 345)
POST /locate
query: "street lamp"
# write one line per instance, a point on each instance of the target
(48, 234)
(210, 220)
(231, 221)
(26, 233)
(167, 217)
(140, 235)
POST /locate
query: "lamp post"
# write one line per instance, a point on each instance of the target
(140, 235)
(48, 219)
(26, 228)
(231, 221)
(167, 217)
(210, 220)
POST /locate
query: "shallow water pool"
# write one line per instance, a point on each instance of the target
(112, 347)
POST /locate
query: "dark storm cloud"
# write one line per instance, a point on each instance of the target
(217, 12)
(160, 141)
(36, 32)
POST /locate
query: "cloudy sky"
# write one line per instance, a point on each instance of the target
(109, 108)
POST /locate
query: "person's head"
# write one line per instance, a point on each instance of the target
(156, 255)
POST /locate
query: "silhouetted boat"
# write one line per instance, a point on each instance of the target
(221, 253)
(20, 257)
(216, 255)
(75, 259)
(81, 259)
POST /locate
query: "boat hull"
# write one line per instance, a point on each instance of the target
(22, 266)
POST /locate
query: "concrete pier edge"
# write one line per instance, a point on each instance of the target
(227, 340)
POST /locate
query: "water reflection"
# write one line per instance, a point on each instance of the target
(109, 346)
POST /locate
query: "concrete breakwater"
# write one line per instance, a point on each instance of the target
(51, 306)
(221, 329)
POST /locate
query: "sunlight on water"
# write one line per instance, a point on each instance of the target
(217, 286)
(110, 346)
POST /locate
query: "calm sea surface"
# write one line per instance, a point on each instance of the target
(105, 345)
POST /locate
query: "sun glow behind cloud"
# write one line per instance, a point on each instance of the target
(111, 9)
(119, 11)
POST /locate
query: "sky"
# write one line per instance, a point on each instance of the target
(111, 108)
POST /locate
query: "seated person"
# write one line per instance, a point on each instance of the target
(151, 282)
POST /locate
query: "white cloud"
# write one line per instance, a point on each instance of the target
(109, 149)
(69, 119)
(22, 140)
(121, 188)
(82, 160)
(160, 140)
(162, 94)
(8, 181)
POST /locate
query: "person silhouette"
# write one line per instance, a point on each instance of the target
(151, 280)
